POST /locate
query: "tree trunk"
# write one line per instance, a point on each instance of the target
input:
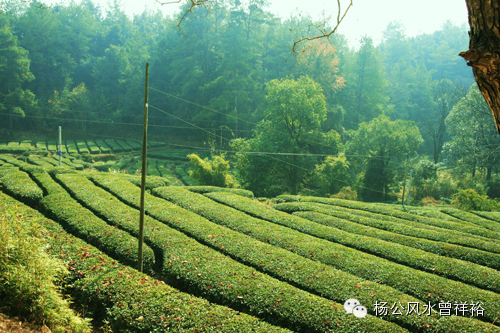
(484, 51)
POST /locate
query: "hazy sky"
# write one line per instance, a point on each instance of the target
(366, 17)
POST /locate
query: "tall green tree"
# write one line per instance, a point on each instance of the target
(475, 142)
(445, 95)
(366, 85)
(293, 121)
(384, 144)
(15, 73)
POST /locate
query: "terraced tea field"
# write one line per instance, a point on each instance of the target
(121, 156)
(218, 260)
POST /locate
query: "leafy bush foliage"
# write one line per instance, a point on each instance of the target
(210, 271)
(346, 193)
(209, 189)
(20, 185)
(469, 200)
(126, 300)
(29, 277)
(331, 175)
(211, 172)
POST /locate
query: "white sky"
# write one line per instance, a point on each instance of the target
(366, 17)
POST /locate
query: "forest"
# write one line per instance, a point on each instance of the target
(327, 120)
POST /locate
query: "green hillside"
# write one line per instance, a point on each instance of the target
(217, 260)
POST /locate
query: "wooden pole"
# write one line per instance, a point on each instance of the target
(144, 170)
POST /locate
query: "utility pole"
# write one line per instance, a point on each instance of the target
(144, 171)
(404, 183)
(409, 187)
(60, 147)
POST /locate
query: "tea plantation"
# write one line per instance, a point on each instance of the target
(218, 260)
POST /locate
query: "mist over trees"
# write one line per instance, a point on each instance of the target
(229, 70)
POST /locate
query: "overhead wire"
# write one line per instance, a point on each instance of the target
(116, 123)
(269, 156)
(234, 117)
(101, 113)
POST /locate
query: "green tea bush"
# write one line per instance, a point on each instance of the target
(208, 189)
(338, 256)
(76, 219)
(469, 200)
(29, 277)
(472, 218)
(186, 179)
(465, 227)
(452, 268)
(394, 225)
(20, 185)
(60, 169)
(116, 148)
(361, 227)
(204, 270)
(124, 300)
(151, 181)
(81, 222)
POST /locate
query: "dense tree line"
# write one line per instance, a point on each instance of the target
(229, 70)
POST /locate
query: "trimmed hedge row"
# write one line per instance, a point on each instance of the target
(123, 144)
(465, 227)
(81, 222)
(12, 160)
(103, 146)
(134, 144)
(40, 162)
(41, 145)
(338, 256)
(273, 259)
(494, 216)
(208, 189)
(129, 301)
(173, 155)
(213, 275)
(151, 181)
(167, 174)
(416, 253)
(104, 166)
(82, 147)
(93, 148)
(70, 147)
(52, 146)
(186, 179)
(479, 257)
(473, 218)
(25, 144)
(378, 222)
(113, 145)
(361, 264)
(19, 185)
(12, 148)
(424, 211)
(75, 164)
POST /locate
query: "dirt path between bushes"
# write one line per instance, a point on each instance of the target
(13, 325)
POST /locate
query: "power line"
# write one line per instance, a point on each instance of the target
(109, 114)
(234, 117)
(115, 123)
